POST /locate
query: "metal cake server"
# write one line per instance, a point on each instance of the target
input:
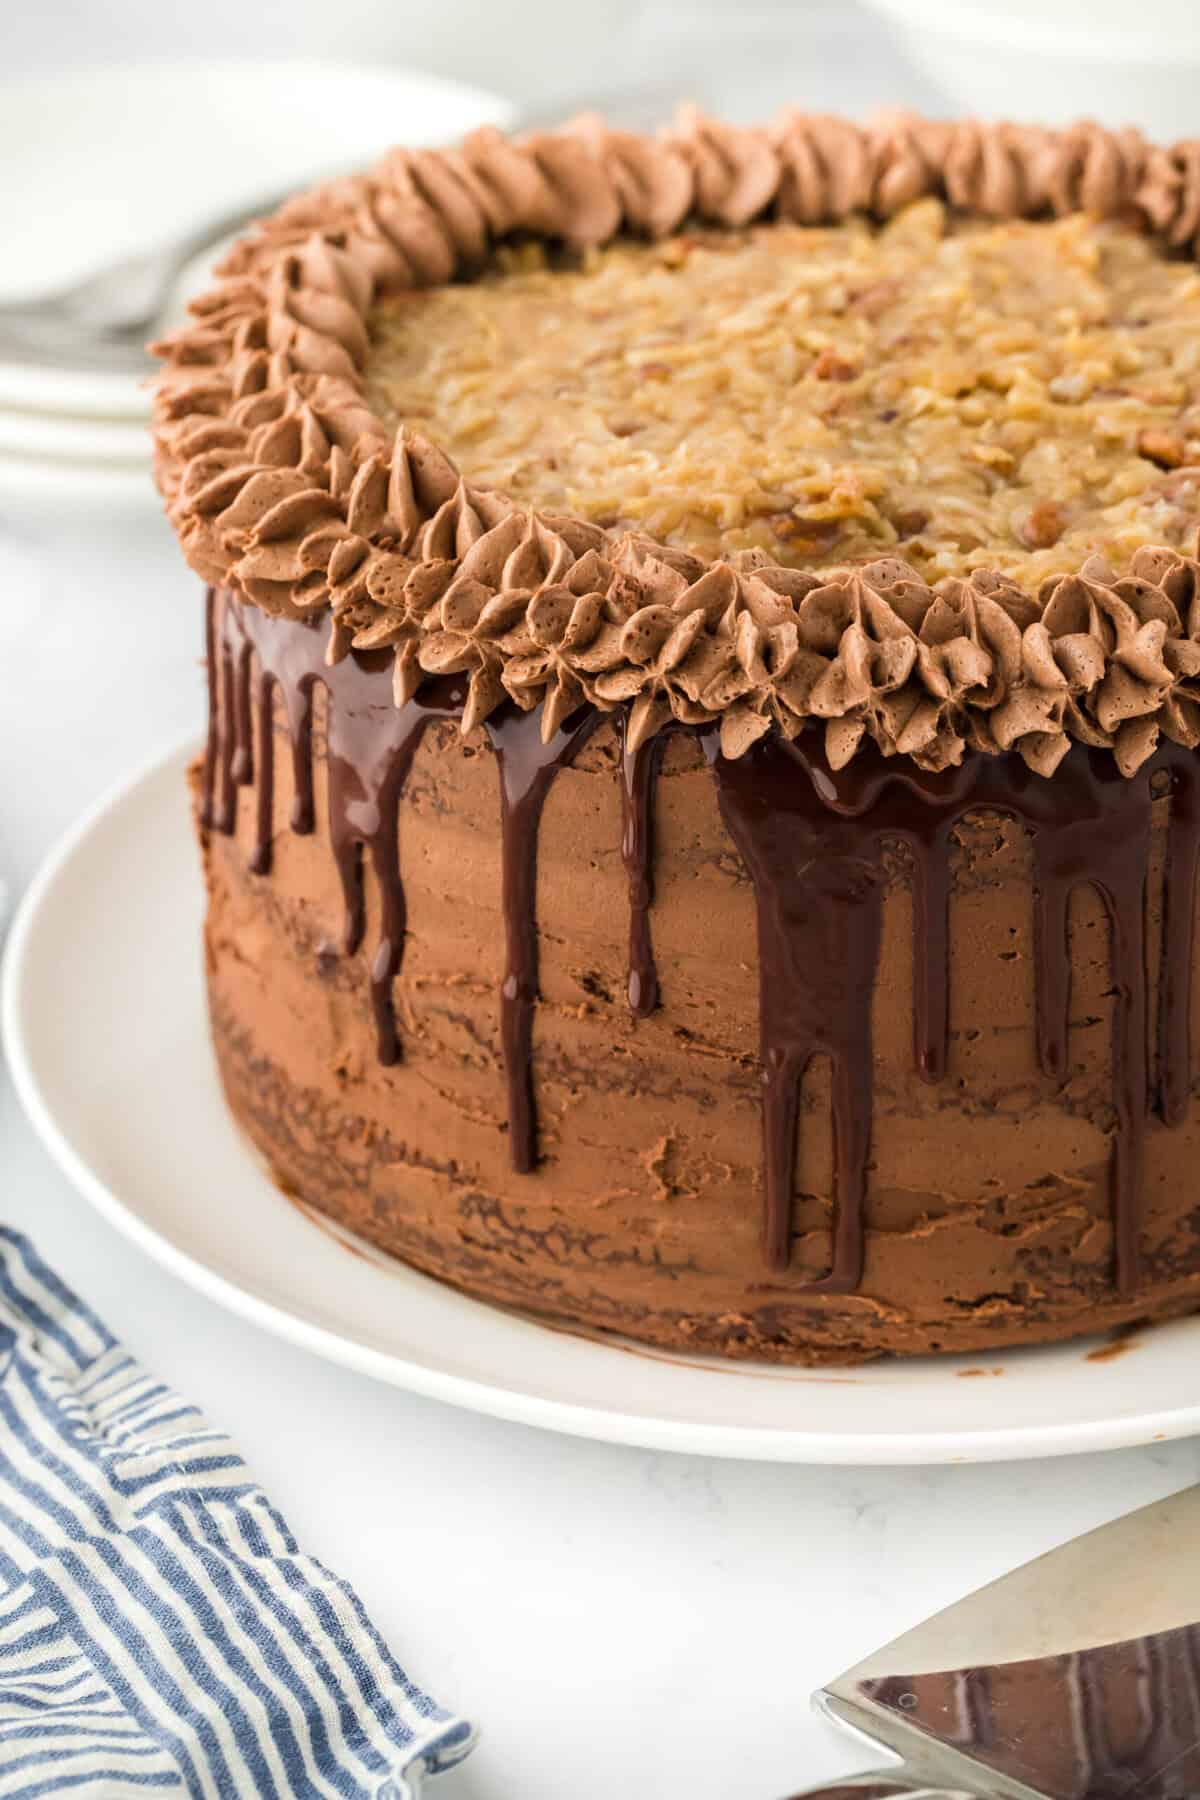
(1076, 1677)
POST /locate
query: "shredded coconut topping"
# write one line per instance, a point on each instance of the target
(1009, 395)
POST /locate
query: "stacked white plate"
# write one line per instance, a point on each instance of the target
(103, 164)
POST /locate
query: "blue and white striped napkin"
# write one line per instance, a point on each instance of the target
(159, 1627)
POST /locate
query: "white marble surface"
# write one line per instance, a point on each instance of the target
(621, 1622)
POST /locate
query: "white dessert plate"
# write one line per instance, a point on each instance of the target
(103, 1014)
(112, 160)
(81, 436)
(38, 484)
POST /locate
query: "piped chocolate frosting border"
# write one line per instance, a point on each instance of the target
(285, 489)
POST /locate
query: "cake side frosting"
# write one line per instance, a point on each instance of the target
(285, 485)
(497, 1008)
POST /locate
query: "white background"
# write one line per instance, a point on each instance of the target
(621, 1622)
(748, 58)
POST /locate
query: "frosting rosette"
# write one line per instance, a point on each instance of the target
(286, 487)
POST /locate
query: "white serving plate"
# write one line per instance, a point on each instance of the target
(46, 485)
(112, 160)
(104, 1022)
(82, 437)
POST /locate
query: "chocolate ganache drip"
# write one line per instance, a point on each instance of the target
(640, 768)
(818, 883)
(1179, 911)
(527, 769)
(371, 747)
(813, 841)
(370, 754)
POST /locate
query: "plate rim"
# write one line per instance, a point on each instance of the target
(761, 1443)
(145, 70)
(91, 482)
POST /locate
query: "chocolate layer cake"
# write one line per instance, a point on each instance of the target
(708, 630)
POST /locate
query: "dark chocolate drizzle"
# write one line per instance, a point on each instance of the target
(818, 884)
(371, 746)
(813, 841)
(212, 743)
(639, 781)
(527, 770)
(1096, 831)
(369, 763)
(1179, 912)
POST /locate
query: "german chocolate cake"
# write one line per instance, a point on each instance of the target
(700, 812)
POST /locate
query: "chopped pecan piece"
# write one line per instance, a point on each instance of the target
(831, 365)
(910, 520)
(1161, 447)
(1042, 526)
(873, 300)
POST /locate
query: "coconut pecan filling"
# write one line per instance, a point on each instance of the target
(1015, 395)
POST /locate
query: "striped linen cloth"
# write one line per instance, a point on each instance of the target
(159, 1627)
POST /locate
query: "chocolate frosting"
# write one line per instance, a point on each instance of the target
(285, 487)
(816, 842)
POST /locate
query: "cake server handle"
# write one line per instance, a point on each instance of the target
(883, 1784)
